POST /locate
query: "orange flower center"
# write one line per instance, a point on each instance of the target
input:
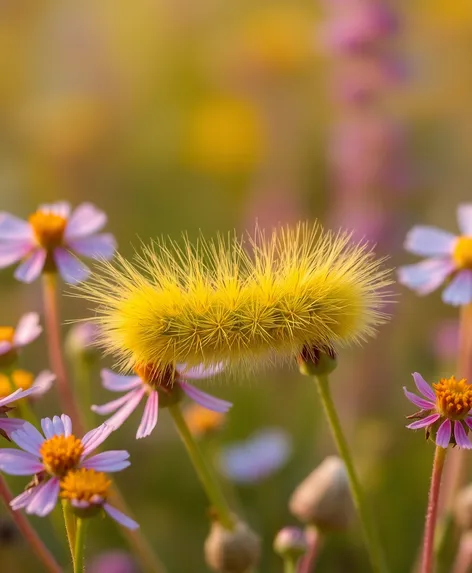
(85, 485)
(19, 379)
(61, 454)
(154, 377)
(462, 253)
(453, 398)
(6, 333)
(48, 228)
(202, 421)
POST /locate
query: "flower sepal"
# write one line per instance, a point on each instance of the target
(87, 510)
(317, 361)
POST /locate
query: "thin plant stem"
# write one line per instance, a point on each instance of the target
(69, 403)
(369, 531)
(432, 511)
(70, 525)
(290, 565)
(30, 535)
(56, 357)
(80, 545)
(82, 370)
(204, 471)
(137, 541)
(308, 561)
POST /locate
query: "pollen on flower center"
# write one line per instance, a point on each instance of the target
(462, 253)
(154, 377)
(61, 454)
(85, 485)
(48, 228)
(453, 398)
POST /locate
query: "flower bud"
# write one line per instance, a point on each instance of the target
(291, 543)
(317, 361)
(323, 498)
(463, 508)
(80, 342)
(234, 551)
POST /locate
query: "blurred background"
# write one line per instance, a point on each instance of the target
(175, 115)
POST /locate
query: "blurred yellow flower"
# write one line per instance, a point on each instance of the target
(19, 379)
(202, 421)
(224, 136)
(297, 289)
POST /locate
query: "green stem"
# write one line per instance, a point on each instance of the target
(207, 478)
(370, 532)
(290, 565)
(70, 523)
(432, 512)
(80, 545)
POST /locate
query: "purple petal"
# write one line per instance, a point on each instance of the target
(27, 329)
(118, 383)
(95, 437)
(112, 461)
(461, 437)
(429, 242)
(67, 423)
(42, 383)
(31, 434)
(149, 419)
(125, 412)
(28, 441)
(58, 426)
(468, 421)
(18, 463)
(199, 372)
(443, 436)
(60, 208)
(417, 401)
(11, 397)
(427, 276)
(204, 399)
(14, 229)
(44, 499)
(11, 253)
(459, 291)
(85, 220)
(70, 268)
(5, 347)
(121, 518)
(23, 499)
(31, 268)
(464, 216)
(424, 387)
(424, 422)
(47, 427)
(96, 246)
(112, 406)
(9, 425)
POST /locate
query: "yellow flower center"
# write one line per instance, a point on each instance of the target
(19, 379)
(453, 398)
(202, 421)
(85, 485)
(462, 253)
(48, 228)
(61, 454)
(6, 333)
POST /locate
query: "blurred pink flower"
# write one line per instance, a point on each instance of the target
(51, 237)
(113, 562)
(146, 384)
(449, 260)
(27, 330)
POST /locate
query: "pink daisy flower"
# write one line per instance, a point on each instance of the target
(449, 260)
(13, 339)
(41, 384)
(52, 456)
(445, 410)
(51, 237)
(159, 392)
(87, 491)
